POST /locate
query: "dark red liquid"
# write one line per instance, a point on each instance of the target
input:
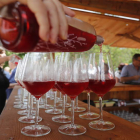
(100, 87)
(87, 89)
(56, 85)
(18, 37)
(38, 88)
(54, 88)
(72, 89)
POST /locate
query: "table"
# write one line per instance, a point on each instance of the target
(119, 91)
(10, 126)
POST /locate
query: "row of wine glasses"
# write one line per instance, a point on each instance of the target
(70, 74)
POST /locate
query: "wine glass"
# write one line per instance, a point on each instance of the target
(38, 78)
(29, 118)
(60, 118)
(101, 80)
(20, 105)
(72, 79)
(89, 115)
(54, 110)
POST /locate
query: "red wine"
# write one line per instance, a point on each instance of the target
(54, 88)
(73, 89)
(87, 89)
(38, 88)
(101, 87)
(23, 37)
(100, 48)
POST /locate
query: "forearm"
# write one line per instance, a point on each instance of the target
(5, 2)
(12, 85)
(127, 79)
(4, 59)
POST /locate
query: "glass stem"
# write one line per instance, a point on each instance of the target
(63, 106)
(37, 112)
(55, 94)
(20, 94)
(88, 96)
(77, 102)
(29, 105)
(23, 92)
(72, 112)
(46, 100)
(101, 109)
(65, 99)
(60, 96)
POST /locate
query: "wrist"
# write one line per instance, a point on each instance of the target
(7, 58)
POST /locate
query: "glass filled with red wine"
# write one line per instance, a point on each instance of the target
(28, 117)
(89, 115)
(38, 78)
(72, 79)
(60, 118)
(101, 80)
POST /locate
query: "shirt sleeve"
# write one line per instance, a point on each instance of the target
(124, 72)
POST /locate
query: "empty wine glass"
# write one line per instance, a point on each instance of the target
(101, 80)
(72, 79)
(22, 105)
(38, 78)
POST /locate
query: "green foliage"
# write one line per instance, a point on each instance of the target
(118, 55)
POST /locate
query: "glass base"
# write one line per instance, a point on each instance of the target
(39, 130)
(23, 112)
(25, 100)
(20, 106)
(41, 106)
(72, 131)
(66, 105)
(31, 119)
(17, 103)
(62, 119)
(46, 106)
(41, 103)
(60, 101)
(89, 116)
(54, 111)
(17, 100)
(101, 125)
(78, 109)
(17, 97)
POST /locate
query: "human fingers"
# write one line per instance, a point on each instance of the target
(53, 19)
(63, 24)
(68, 11)
(40, 11)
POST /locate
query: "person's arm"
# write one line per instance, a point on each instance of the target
(50, 15)
(127, 79)
(124, 75)
(12, 85)
(4, 59)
